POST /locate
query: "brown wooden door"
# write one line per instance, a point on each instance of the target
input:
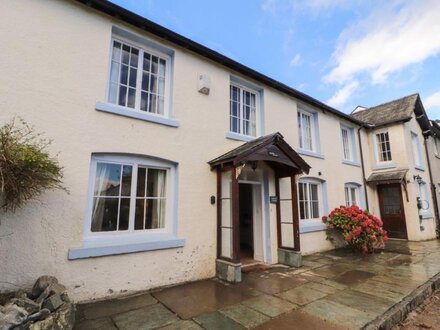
(392, 211)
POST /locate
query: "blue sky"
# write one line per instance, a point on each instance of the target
(342, 52)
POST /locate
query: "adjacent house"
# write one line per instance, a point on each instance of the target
(398, 171)
(181, 163)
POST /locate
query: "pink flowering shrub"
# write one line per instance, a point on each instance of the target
(361, 230)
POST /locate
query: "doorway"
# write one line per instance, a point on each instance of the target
(251, 227)
(392, 210)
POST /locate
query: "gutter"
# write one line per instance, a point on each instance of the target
(363, 168)
(433, 190)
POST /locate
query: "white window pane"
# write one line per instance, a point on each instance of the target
(161, 87)
(155, 214)
(116, 54)
(105, 214)
(161, 106)
(124, 74)
(162, 66)
(156, 183)
(144, 101)
(154, 64)
(122, 95)
(133, 76)
(131, 97)
(114, 72)
(113, 93)
(107, 179)
(125, 54)
(134, 57)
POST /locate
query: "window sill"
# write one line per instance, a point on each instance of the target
(420, 168)
(351, 163)
(310, 153)
(384, 166)
(309, 228)
(95, 250)
(239, 137)
(121, 111)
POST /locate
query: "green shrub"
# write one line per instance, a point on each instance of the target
(26, 168)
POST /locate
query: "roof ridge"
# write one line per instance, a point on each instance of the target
(392, 101)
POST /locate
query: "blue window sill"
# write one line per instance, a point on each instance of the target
(239, 137)
(122, 111)
(384, 166)
(310, 153)
(108, 250)
(311, 228)
(350, 162)
(420, 168)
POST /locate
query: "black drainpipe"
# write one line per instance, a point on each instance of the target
(363, 168)
(433, 189)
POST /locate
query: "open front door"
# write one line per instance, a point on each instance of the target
(392, 211)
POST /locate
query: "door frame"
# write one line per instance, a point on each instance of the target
(380, 199)
(262, 239)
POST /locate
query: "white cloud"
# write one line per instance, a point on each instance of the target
(295, 60)
(432, 101)
(388, 40)
(343, 94)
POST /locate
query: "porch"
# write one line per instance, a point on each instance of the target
(332, 290)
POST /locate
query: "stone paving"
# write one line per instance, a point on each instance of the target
(333, 290)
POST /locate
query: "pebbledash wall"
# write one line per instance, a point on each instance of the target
(55, 75)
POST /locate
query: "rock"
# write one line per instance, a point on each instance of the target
(47, 324)
(43, 295)
(41, 284)
(57, 288)
(53, 302)
(41, 315)
(12, 316)
(29, 305)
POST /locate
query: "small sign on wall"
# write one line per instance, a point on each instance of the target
(274, 199)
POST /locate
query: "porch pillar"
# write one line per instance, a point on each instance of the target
(295, 215)
(228, 266)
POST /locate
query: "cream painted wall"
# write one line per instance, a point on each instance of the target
(435, 165)
(53, 73)
(402, 156)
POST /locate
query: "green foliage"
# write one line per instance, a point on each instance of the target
(26, 168)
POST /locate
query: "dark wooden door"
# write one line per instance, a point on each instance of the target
(392, 211)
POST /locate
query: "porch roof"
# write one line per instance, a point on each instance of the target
(387, 177)
(271, 148)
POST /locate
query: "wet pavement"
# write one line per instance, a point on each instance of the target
(333, 290)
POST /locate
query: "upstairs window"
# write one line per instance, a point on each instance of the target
(309, 201)
(138, 78)
(348, 144)
(306, 131)
(383, 147)
(416, 150)
(243, 110)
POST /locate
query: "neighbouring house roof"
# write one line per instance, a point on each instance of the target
(387, 177)
(271, 148)
(400, 110)
(435, 127)
(142, 23)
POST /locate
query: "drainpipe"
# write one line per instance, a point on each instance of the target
(433, 189)
(363, 168)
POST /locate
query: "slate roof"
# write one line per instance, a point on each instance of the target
(391, 176)
(254, 146)
(390, 112)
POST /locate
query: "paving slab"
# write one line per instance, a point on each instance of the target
(100, 309)
(321, 287)
(353, 277)
(338, 314)
(193, 299)
(299, 320)
(96, 324)
(244, 315)
(149, 317)
(182, 325)
(269, 305)
(302, 295)
(362, 301)
(274, 283)
(216, 321)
